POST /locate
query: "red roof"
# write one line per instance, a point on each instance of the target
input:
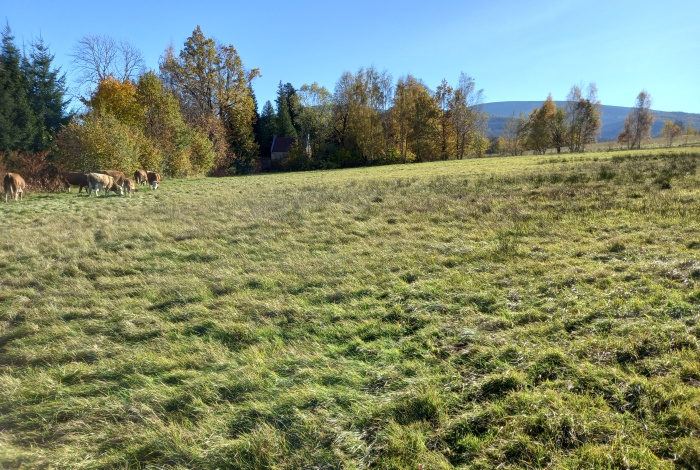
(283, 144)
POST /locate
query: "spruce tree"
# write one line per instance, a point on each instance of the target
(47, 92)
(17, 122)
(285, 123)
(265, 129)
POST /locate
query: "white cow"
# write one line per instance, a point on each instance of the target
(97, 182)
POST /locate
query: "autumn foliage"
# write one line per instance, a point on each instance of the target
(131, 126)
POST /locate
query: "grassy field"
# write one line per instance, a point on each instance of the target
(537, 312)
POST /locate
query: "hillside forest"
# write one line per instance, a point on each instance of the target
(198, 115)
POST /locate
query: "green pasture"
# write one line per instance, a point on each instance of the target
(522, 312)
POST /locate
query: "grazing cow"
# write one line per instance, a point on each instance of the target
(141, 176)
(129, 187)
(99, 181)
(72, 178)
(118, 176)
(14, 186)
(153, 179)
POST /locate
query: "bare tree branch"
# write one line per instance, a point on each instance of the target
(132, 61)
(97, 57)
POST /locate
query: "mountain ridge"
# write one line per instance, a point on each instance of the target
(612, 117)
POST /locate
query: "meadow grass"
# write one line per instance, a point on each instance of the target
(535, 312)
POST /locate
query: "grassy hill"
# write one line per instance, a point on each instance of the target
(613, 117)
(516, 312)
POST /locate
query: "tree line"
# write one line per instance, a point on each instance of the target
(198, 115)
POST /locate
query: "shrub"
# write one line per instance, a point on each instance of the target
(98, 141)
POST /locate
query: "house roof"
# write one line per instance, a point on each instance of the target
(282, 144)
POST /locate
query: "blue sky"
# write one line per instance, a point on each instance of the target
(516, 50)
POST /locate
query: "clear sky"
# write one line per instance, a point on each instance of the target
(516, 50)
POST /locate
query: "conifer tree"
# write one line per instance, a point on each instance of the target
(46, 95)
(17, 122)
(285, 123)
(265, 129)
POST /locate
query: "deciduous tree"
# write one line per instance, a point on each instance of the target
(515, 131)
(547, 127)
(372, 95)
(416, 117)
(360, 116)
(670, 131)
(117, 98)
(342, 102)
(97, 57)
(315, 114)
(583, 117)
(444, 94)
(97, 141)
(538, 138)
(556, 124)
(210, 81)
(467, 115)
(638, 122)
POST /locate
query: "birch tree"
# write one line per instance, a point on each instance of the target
(467, 116)
(443, 96)
(638, 122)
(583, 115)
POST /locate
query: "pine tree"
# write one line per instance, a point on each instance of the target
(47, 92)
(285, 123)
(265, 129)
(17, 122)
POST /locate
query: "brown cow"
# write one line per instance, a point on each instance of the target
(141, 176)
(153, 179)
(14, 186)
(118, 176)
(72, 178)
(129, 187)
(98, 181)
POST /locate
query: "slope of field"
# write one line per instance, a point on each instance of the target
(612, 117)
(519, 312)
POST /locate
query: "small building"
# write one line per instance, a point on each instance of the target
(281, 147)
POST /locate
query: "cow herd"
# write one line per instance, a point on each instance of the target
(103, 180)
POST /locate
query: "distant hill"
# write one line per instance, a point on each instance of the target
(613, 117)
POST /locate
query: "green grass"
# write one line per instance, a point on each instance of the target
(537, 312)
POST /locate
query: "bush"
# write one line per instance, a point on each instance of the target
(36, 168)
(98, 141)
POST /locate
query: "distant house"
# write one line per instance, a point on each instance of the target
(281, 147)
